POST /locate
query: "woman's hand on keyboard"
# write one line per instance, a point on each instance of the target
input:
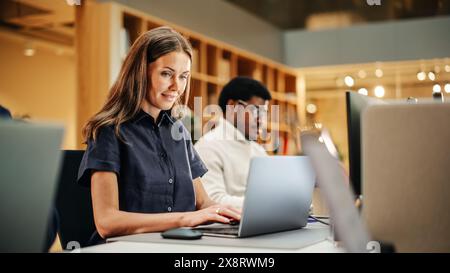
(215, 213)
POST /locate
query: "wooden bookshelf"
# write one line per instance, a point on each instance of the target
(215, 63)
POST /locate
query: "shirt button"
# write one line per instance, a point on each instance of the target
(169, 209)
(170, 181)
(162, 154)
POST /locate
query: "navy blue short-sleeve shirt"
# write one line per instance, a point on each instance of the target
(155, 163)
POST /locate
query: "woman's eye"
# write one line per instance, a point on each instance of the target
(166, 74)
(184, 77)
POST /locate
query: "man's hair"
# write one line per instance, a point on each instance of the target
(242, 88)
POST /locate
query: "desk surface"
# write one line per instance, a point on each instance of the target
(314, 238)
(133, 247)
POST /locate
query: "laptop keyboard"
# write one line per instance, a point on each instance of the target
(230, 230)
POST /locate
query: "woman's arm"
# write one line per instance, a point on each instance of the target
(110, 221)
(203, 201)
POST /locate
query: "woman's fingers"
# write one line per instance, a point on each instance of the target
(222, 219)
(236, 210)
(212, 215)
(229, 213)
(218, 213)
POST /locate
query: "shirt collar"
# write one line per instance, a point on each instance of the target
(164, 117)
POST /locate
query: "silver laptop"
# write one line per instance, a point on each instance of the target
(277, 198)
(29, 165)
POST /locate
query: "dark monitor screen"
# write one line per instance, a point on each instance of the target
(356, 103)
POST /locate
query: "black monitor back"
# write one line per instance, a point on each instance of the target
(356, 103)
(73, 203)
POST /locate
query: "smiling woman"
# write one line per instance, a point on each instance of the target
(141, 178)
(169, 77)
(156, 63)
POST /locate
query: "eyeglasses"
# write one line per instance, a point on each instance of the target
(256, 110)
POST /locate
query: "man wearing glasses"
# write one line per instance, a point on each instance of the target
(227, 149)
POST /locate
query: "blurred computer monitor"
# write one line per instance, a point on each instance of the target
(356, 104)
(29, 165)
(405, 175)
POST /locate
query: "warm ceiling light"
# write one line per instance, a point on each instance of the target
(29, 49)
(379, 91)
(363, 91)
(362, 74)
(436, 88)
(311, 108)
(421, 76)
(379, 73)
(431, 75)
(348, 80)
(437, 68)
(447, 88)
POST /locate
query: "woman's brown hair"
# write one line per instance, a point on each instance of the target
(130, 89)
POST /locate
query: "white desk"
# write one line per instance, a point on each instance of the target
(132, 247)
(309, 239)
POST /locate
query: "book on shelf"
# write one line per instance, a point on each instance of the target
(224, 70)
(283, 114)
(292, 145)
(281, 143)
(291, 116)
(195, 60)
(212, 98)
(291, 97)
(257, 74)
